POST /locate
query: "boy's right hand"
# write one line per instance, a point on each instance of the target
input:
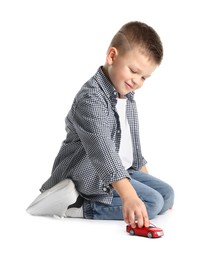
(134, 209)
(132, 206)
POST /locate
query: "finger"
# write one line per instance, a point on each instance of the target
(133, 224)
(140, 220)
(145, 218)
(130, 219)
(146, 221)
(126, 218)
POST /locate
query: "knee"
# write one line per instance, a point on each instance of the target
(169, 194)
(155, 205)
(168, 199)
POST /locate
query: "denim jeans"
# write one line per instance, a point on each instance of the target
(157, 195)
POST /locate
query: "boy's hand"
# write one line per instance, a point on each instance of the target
(144, 169)
(132, 206)
(134, 209)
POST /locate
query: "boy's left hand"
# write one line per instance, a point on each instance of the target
(144, 169)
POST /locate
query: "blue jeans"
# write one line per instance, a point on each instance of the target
(157, 195)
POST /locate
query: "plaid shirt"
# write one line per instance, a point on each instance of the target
(89, 154)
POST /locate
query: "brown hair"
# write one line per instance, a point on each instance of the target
(140, 35)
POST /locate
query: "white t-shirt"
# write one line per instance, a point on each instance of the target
(125, 149)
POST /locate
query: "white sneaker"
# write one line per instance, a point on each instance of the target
(76, 210)
(56, 200)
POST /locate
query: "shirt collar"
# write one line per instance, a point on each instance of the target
(107, 86)
(130, 96)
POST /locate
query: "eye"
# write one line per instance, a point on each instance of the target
(133, 71)
(143, 78)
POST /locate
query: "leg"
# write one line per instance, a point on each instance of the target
(162, 187)
(97, 210)
(152, 199)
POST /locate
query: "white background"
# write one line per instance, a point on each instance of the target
(48, 49)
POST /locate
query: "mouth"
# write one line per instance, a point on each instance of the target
(129, 87)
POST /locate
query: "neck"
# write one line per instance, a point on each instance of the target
(120, 96)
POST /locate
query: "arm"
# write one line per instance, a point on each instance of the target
(132, 204)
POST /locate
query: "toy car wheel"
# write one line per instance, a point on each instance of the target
(149, 235)
(132, 233)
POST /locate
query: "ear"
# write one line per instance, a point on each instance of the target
(112, 53)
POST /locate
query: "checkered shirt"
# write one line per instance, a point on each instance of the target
(89, 154)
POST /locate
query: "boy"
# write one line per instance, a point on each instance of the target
(99, 172)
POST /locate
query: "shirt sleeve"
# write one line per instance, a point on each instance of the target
(91, 119)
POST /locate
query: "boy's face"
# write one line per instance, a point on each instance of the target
(128, 72)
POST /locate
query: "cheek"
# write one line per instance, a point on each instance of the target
(119, 74)
(125, 72)
(124, 75)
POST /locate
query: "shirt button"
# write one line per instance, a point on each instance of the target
(104, 189)
(115, 93)
(118, 131)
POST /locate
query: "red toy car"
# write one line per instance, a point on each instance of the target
(151, 231)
